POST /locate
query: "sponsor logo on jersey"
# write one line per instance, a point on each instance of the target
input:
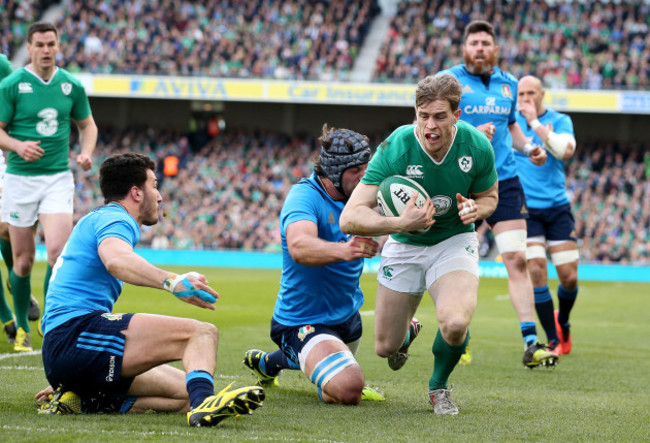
(304, 331)
(25, 88)
(442, 203)
(112, 317)
(331, 220)
(414, 171)
(14, 215)
(470, 250)
(387, 272)
(467, 89)
(505, 90)
(66, 88)
(466, 162)
(490, 107)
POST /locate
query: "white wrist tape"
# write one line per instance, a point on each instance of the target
(527, 149)
(467, 208)
(171, 280)
(557, 144)
(535, 124)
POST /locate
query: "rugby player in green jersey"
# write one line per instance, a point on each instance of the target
(38, 102)
(454, 163)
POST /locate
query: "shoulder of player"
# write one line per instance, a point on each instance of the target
(506, 76)
(457, 71)
(65, 76)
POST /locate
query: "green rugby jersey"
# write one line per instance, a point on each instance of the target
(467, 168)
(5, 66)
(35, 110)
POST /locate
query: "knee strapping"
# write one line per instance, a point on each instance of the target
(511, 241)
(331, 365)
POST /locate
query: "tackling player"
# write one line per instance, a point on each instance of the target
(105, 362)
(454, 163)
(489, 103)
(550, 223)
(38, 103)
(316, 321)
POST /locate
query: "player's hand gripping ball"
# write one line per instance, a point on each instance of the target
(394, 194)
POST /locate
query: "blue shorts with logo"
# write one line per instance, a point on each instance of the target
(512, 202)
(84, 355)
(552, 223)
(291, 339)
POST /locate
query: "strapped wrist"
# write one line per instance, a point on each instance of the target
(169, 283)
(535, 124)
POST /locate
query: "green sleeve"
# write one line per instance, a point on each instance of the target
(81, 106)
(6, 103)
(486, 173)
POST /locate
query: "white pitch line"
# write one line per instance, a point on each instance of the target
(19, 354)
(22, 368)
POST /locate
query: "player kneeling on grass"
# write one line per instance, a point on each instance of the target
(104, 362)
(433, 247)
(316, 322)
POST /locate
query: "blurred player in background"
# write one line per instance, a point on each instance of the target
(316, 322)
(550, 222)
(6, 315)
(38, 103)
(489, 103)
(454, 163)
(105, 362)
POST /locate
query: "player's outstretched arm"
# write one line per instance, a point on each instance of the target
(123, 263)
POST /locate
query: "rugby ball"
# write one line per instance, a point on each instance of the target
(395, 192)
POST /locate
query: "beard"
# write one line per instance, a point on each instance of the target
(485, 66)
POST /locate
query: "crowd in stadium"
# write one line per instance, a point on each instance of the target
(589, 45)
(568, 44)
(289, 39)
(229, 193)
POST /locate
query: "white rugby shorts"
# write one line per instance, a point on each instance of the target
(24, 197)
(413, 269)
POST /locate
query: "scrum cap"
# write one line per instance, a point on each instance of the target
(347, 149)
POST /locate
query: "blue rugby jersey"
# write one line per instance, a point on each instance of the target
(80, 283)
(496, 103)
(327, 294)
(544, 186)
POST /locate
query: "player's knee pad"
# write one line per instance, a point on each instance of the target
(564, 257)
(535, 251)
(511, 241)
(331, 365)
(354, 346)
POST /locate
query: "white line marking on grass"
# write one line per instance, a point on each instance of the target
(502, 297)
(367, 313)
(95, 431)
(30, 368)
(19, 354)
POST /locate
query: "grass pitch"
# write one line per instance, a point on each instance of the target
(601, 392)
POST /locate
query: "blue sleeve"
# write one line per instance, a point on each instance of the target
(512, 118)
(564, 125)
(299, 205)
(121, 228)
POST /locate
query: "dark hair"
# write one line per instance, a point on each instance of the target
(340, 149)
(443, 87)
(120, 172)
(41, 27)
(479, 26)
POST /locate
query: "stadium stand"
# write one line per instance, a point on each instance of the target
(287, 39)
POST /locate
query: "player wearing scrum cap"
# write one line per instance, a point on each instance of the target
(100, 361)
(550, 223)
(454, 163)
(489, 103)
(316, 321)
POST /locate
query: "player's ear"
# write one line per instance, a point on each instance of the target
(136, 193)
